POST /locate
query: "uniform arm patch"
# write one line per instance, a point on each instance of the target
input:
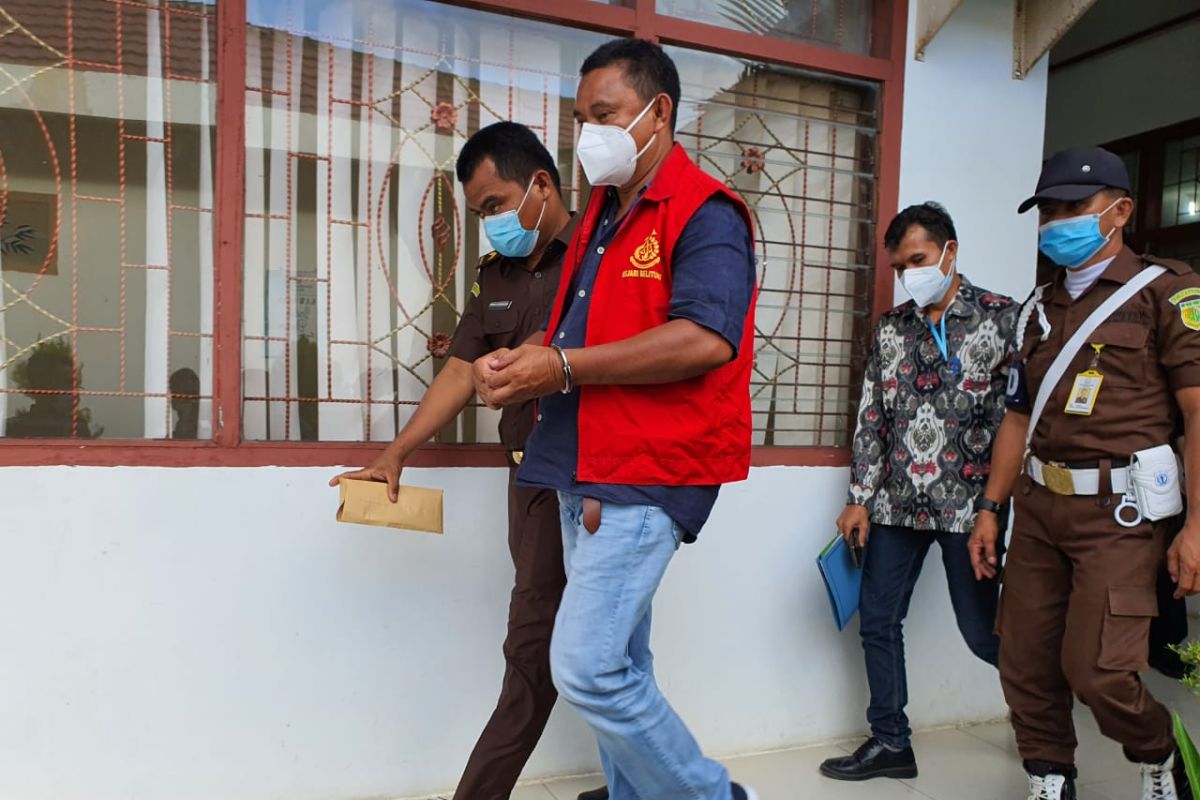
(1188, 303)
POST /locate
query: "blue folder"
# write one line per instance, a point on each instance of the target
(843, 580)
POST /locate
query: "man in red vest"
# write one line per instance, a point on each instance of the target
(644, 407)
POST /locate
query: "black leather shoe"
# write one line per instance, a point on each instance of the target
(872, 760)
(595, 794)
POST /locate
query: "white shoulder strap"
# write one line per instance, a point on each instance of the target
(1034, 303)
(1106, 309)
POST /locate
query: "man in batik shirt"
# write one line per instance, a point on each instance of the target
(932, 401)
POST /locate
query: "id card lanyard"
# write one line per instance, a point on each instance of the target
(1082, 399)
(939, 336)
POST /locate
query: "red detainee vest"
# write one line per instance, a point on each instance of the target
(693, 432)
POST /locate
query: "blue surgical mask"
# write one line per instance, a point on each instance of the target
(506, 233)
(1071, 242)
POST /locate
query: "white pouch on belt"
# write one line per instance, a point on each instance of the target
(1154, 475)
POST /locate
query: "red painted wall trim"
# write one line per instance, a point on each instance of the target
(644, 19)
(891, 122)
(800, 457)
(686, 33)
(577, 13)
(229, 205)
(119, 453)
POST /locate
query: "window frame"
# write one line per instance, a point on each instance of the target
(1150, 147)
(884, 65)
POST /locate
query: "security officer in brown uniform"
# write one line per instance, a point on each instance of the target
(1108, 363)
(509, 180)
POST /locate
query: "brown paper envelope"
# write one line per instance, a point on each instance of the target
(367, 503)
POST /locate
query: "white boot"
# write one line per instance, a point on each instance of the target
(1050, 787)
(1164, 781)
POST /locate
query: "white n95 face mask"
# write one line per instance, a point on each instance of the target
(927, 285)
(608, 153)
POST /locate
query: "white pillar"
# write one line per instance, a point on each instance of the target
(158, 276)
(205, 223)
(254, 362)
(4, 365)
(280, 294)
(338, 364)
(374, 241)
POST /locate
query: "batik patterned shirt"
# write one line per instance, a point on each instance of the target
(926, 423)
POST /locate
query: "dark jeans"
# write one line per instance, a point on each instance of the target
(893, 559)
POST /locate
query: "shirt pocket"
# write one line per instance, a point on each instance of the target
(1123, 358)
(500, 325)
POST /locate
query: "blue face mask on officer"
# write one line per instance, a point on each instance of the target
(506, 233)
(1071, 242)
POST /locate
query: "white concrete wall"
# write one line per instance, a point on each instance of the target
(217, 634)
(973, 142)
(202, 633)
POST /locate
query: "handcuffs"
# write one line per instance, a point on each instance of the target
(1129, 500)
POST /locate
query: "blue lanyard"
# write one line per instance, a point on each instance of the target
(939, 336)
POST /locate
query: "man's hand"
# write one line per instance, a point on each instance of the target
(854, 518)
(982, 545)
(483, 373)
(507, 377)
(1183, 560)
(384, 469)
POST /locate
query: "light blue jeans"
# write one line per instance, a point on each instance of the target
(600, 655)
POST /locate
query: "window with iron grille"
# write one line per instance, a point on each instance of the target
(359, 253)
(800, 149)
(125, 245)
(106, 231)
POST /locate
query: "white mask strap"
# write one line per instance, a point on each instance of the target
(528, 189)
(1110, 207)
(638, 118)
(537, 226)
(1105, 211)
(642, 152)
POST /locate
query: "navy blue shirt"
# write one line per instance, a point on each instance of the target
(712, 281)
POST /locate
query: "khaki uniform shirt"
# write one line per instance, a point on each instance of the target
(509, 303)
(1151, 347)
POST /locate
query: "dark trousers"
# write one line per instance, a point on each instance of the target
(527, 695)
(893, 559)
(1079, 594)
(1171, 625)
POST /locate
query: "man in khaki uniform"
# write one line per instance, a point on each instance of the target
(511, 182)
(1079, 579)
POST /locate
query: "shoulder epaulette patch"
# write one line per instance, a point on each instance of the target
(1188, 303)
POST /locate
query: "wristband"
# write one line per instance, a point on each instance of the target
(983, 504)
(568, 381)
